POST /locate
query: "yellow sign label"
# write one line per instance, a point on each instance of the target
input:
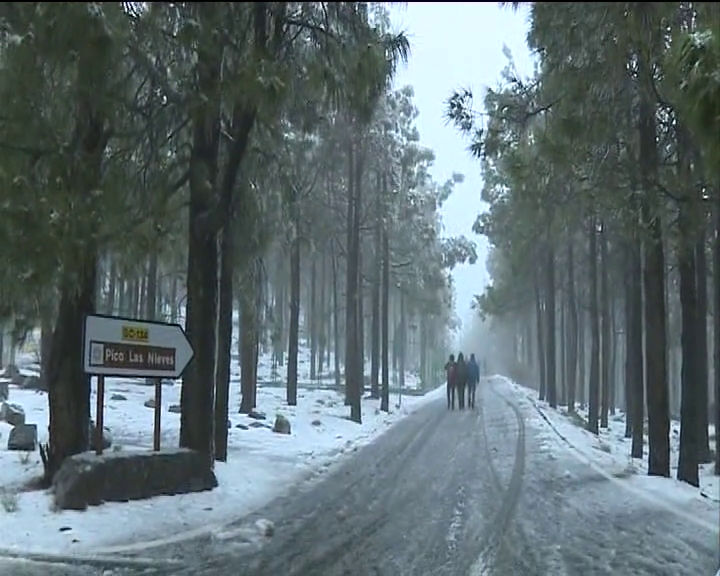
(135, 333)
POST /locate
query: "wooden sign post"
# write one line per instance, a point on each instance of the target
(123, 347)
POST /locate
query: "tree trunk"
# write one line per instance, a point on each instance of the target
(424, 368)
(323, 323)
(151, 287)
(630, 362)
(350, 280)
(613, 356)
(294, 336)
(563, 332)
(68, 385)
(133, 300)
(174, 299)
(224, 345)
(542, 356)
(635, 334)
(594, 309)
(401, 338)
(247, 344)
(112, 287)
(655, 310)
(279, 335)
(336, 319)
(375, 305)
(258, 304)
(605, 374)
(122, 296)
(312, 322)
(716, 331)
(142, 293)
(582, 360)
(352, 368)
(688, 458)
(196, 397)
(704, 454)
(572, 338)
(385, 316)
(360, 324)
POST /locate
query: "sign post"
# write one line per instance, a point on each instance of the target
(123, 347)
(99, 416)
(158, 413)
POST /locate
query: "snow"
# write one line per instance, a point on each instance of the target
(262, 465)
(609, 454)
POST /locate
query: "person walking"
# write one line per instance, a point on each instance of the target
(461, 379)
(450, 375)
(473, 378)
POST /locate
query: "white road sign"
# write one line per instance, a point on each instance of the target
(114, 346)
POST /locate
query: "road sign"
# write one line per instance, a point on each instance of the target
(114, 346)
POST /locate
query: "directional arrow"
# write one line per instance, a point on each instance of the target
(115, 346)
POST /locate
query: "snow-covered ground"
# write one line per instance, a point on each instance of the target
(609, 453)
(261, 464)
(276, 376)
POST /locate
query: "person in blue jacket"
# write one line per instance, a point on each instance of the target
(473, 377)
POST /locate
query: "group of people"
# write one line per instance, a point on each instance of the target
(461, 376)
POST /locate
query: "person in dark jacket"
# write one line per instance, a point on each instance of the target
(473, 378)
(450, 376)
(461, 379)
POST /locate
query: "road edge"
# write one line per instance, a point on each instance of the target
(582, 457)
(314, 475)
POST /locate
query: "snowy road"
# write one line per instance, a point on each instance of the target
(461, 494)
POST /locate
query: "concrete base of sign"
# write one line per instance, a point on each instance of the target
(89, 480)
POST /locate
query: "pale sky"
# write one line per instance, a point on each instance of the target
(457, 44)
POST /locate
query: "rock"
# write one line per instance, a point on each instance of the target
(12, 373)
(242, 426)
(259, 425)
(265, 527)
(34, 382)
(118, 397)
(23, 438)
(316, 423)
(256, 415)
(163, 381)
(282, 425)
(106, 436)
(149, 403)
(88, 480)
(4, 390)
(13, 414)
(174, 408)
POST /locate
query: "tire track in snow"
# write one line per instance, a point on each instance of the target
(522, 551)
(498, 526)
(353, 540)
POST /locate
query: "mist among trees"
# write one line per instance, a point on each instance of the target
(601, 175)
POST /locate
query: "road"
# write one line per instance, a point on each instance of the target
(471, 493)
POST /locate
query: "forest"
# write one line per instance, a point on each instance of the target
(212, 163)
(602, 175)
